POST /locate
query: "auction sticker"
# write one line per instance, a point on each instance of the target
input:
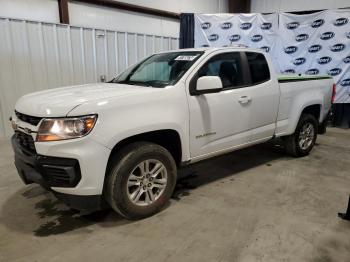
(186, 57)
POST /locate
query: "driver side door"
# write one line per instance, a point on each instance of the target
(220, 121)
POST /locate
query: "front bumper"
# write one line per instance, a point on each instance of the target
(45, 170)
(59, 174)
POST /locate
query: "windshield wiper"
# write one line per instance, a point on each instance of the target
(157, 83)
(134, 83)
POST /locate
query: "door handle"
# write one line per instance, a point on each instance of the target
(244, 99)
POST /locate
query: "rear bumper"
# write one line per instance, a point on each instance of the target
(54, 172)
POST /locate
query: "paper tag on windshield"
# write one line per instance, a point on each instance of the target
(186, 57)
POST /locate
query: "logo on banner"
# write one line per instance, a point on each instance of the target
(206, 25)
(234, 38)
(265, 48)
(341, 21)
(213, 37)
(324, 60)
(313, 71)
(290, 49)
(292, 25)
(301, 37)
(245, 26)
(289, 71)
(314, 48)
(299, 61)
(205, 45)
(256, 38)
(226, 25)
(345, 82)
(327, 35)
(348, 35)
(266, 26)
(335, 71)
(317, 23)
(338, 48)
(347, 60)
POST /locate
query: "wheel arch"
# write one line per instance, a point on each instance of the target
(314, 109)
(310, 108)
(168, 138)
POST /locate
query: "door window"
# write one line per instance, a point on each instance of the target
(228, 67)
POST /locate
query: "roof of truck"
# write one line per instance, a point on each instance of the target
(211, 49)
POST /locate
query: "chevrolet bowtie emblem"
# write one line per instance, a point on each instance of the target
(27, 130)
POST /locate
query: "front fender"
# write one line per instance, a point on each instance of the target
(121, 118)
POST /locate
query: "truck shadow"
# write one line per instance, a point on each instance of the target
(227, 165)
(36, 211)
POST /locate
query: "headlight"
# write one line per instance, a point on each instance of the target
(55, 129)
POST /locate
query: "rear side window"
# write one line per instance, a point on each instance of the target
(259, 69)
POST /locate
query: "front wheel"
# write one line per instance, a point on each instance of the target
(141, 180)
(303, 140)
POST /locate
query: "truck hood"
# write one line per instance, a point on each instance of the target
(59, 102)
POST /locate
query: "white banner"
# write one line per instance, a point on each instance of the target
(253, 30)
(312, 44)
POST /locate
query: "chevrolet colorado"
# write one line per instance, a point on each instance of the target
(120, 143)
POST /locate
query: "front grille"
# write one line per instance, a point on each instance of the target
(33, 120)
(25, 141)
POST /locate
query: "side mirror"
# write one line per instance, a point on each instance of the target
(208, 84)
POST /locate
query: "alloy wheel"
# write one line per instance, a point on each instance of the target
(147, 182)
(306, 136)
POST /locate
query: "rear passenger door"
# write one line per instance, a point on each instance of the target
(264, 97)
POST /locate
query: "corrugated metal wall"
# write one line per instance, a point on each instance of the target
(36, 56)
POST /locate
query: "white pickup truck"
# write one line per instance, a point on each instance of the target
(120, 143)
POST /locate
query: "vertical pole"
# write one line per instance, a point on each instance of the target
(242, 6)
(63, 11)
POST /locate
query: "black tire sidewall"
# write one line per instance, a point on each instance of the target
(135, 154)
(304, 120)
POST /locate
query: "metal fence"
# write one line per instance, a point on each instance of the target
(36, 56)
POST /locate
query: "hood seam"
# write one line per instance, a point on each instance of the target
(73, 109)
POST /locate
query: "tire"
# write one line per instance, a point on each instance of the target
(293, 143)
(127, 188)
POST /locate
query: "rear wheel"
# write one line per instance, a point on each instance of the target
(303, 140)
(141, 180)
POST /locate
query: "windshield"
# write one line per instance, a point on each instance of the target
(159, 70)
